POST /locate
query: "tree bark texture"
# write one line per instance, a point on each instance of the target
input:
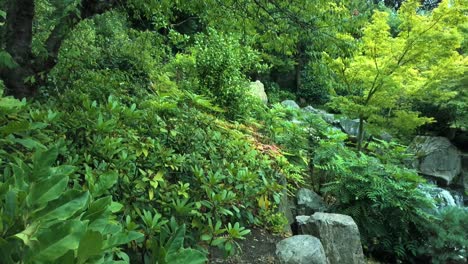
(20, 14)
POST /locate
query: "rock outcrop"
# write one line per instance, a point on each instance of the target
(350, 126)
(301, 249)
(308, 202)
(327, 117)
(290, 104)
(257, 89)
(339, 235)
(436, 157)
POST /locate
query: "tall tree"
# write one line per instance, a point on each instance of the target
(389, 69)
(277, 27)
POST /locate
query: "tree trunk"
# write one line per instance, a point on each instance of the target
(19, 20)
(20, 14)
(14, 80)
(360, 134)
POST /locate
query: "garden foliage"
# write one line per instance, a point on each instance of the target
(139, 141)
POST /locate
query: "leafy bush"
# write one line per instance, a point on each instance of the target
(169, 247)
(125, 157)
(395, 218)
(166, 156)
(44, 217)
(134, 130)
(105, 53)
(314, 88)
(163, 158)
(221, 65)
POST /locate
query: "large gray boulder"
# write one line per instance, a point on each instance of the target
(290, 104)
(436, 157)
(339, 235)
(327, 117)
(257, 89)
(301, 249)
(385, 136)
(308, 202)
(350, 126)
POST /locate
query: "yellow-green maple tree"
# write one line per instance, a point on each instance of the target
(388, 69)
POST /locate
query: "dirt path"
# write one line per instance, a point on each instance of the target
(258, 248)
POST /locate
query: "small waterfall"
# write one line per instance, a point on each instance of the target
(442, 197)
(458, 197)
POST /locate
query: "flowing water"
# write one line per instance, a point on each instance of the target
(442, 197)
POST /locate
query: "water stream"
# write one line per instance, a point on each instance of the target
(443, 197)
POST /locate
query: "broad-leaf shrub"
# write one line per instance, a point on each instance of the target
(168, 155)
(105, 53)
(216, 66)
(168, 248)
(276, 94)
(314, 87)
(44, 217)
(134, 129)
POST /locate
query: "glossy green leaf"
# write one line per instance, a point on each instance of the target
(105, 227)
(58, 239)
(122, 239)
(186, 256)
(71, 202)
(14, 127)
(47, 189)
(90, 245)
(42, 161)
(177, 240)
(105, 182)
(97, 208)
(29, 143)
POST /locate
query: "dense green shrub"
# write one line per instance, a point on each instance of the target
(314, 87)
(221, 65)
(293, 131)
(396, 220)
(104, 53)
(134, 130)
(45, 218)
(159, 159)
(167, 156)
